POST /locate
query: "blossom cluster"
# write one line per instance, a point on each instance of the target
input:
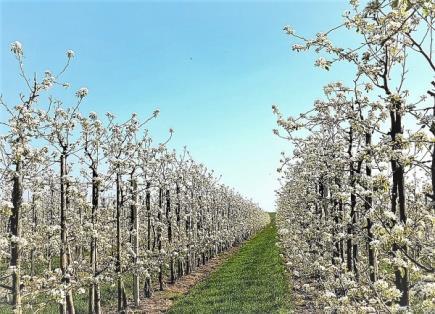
(356, 208)
(97, 195)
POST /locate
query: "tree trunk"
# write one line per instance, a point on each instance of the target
(432, 166)
(34, 225)
(432, 172)
(118, 244)
(351, 248)
(94, 297)
(188, 236)
(147, 285)
(159, 239)
(135, 238)
(169, 222)
(15, 232)
(49, 253)
(398, 194)
(68, 305)
(367, 206)
(180, 266)
(148, 208)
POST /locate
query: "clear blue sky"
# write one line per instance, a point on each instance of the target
(213, 68)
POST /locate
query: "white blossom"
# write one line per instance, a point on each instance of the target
(70, 54)
(82, 92)
(17, 48)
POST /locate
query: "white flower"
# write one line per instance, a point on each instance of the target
(298, 48)
(354, 2)
(323, 63)
(48, 80)
(397, 230)
(289, 30)
(330, 295)
(368, 87)
(18, 240)
(132, 253)
(17, 48)
(6, 209)
(92, 115)
(275, 109)
(70, 54)
(7, 205)
(82, 92)
(283, 231)
(390, 215)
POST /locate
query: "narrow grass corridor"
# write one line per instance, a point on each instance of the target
(251, 281)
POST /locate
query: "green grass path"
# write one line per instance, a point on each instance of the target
(251, 281)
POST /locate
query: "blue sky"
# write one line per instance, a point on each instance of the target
(213, 68)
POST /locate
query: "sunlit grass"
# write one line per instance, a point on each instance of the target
(252, 281)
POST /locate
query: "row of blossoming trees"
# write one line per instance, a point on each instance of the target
(88, 205)
(357, 204)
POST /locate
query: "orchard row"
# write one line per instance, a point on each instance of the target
(90, 205)
(356, 209)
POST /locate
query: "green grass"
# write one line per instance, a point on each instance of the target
(251, 281)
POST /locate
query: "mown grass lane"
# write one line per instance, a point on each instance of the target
(251, 281)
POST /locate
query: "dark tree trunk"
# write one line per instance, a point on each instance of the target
(147, 285)
(351, 248)
(432, 166)
(135, 237)
(94, 294)
(34, 225)
(15, 231)
(169, 222)
(121, 293)
(367, 206)
(159, 239)
(398, 194)
(68, 306)
(148, 208)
